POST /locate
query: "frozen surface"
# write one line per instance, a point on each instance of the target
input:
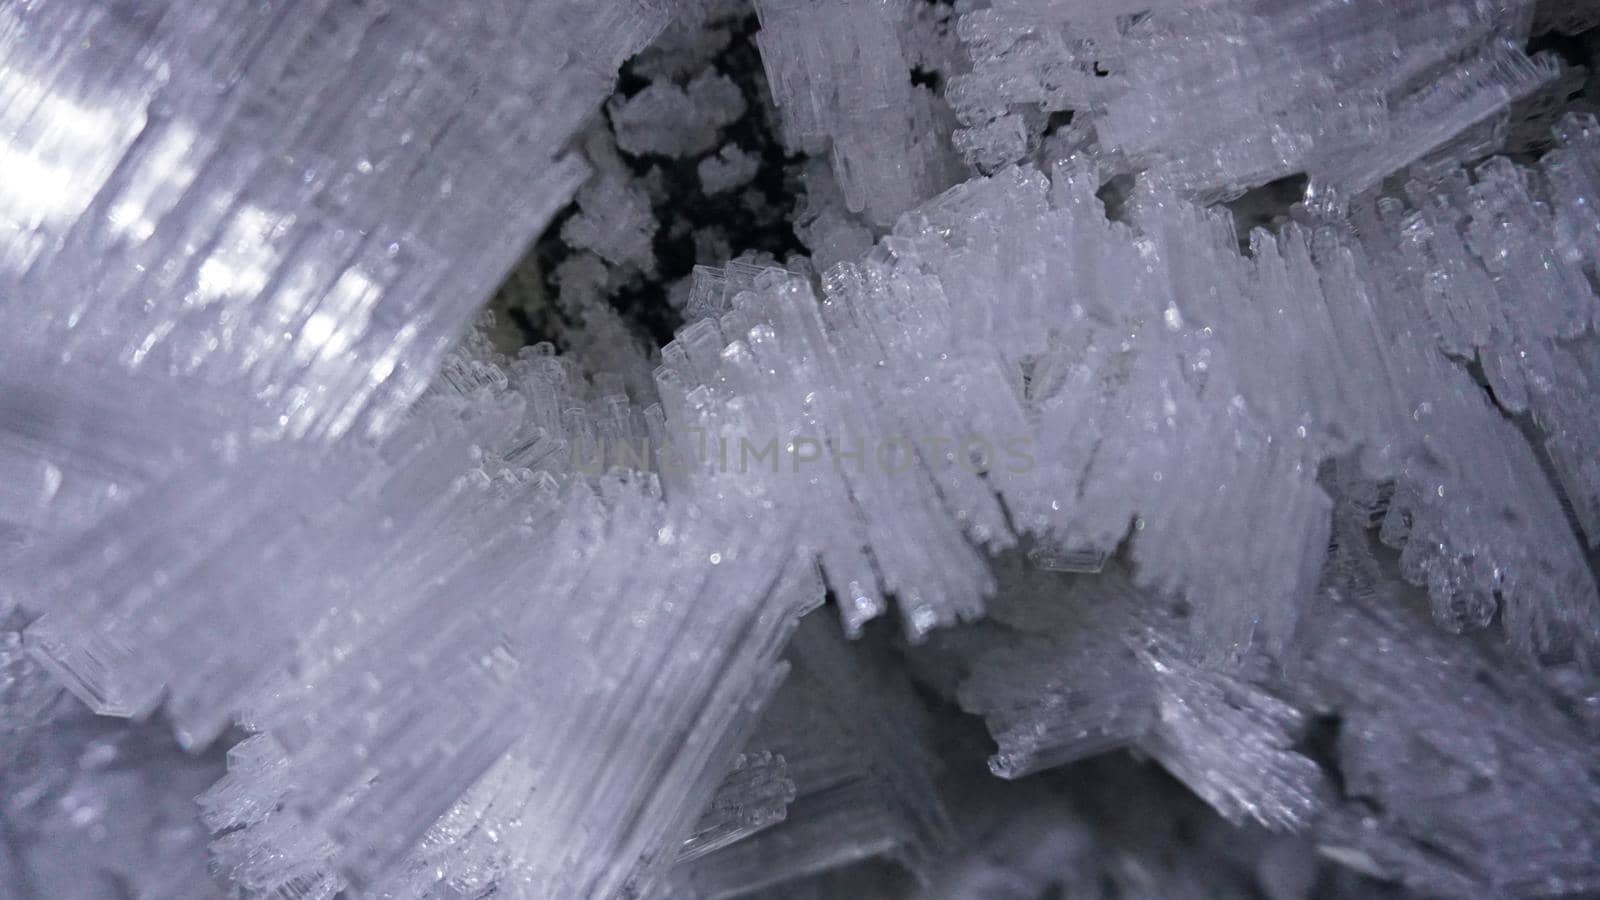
(1122, 449)
(1223, 95)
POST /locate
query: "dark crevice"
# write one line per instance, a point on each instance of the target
(1574, 49)
(1267, 206)
(755, 217)
(1057, 120)
(1115, 194)
(1320, 744)
(927, 78)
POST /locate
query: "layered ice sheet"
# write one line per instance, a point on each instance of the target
(857, 750)
(842, 81)
(302, 200)
(1010, 361)
(441, 626)
(1224, 95)
(1402, 752)
(277, 216)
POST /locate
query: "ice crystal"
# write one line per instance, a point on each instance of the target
(1130, 448)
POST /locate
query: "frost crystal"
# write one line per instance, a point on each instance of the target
(1008, 448)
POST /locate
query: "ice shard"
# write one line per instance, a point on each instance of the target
(1001, 448)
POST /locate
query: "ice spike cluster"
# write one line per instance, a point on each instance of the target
(1000, 448)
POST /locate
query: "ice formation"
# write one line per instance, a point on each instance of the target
(987, 448)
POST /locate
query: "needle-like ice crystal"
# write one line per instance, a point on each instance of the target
(991, 448)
